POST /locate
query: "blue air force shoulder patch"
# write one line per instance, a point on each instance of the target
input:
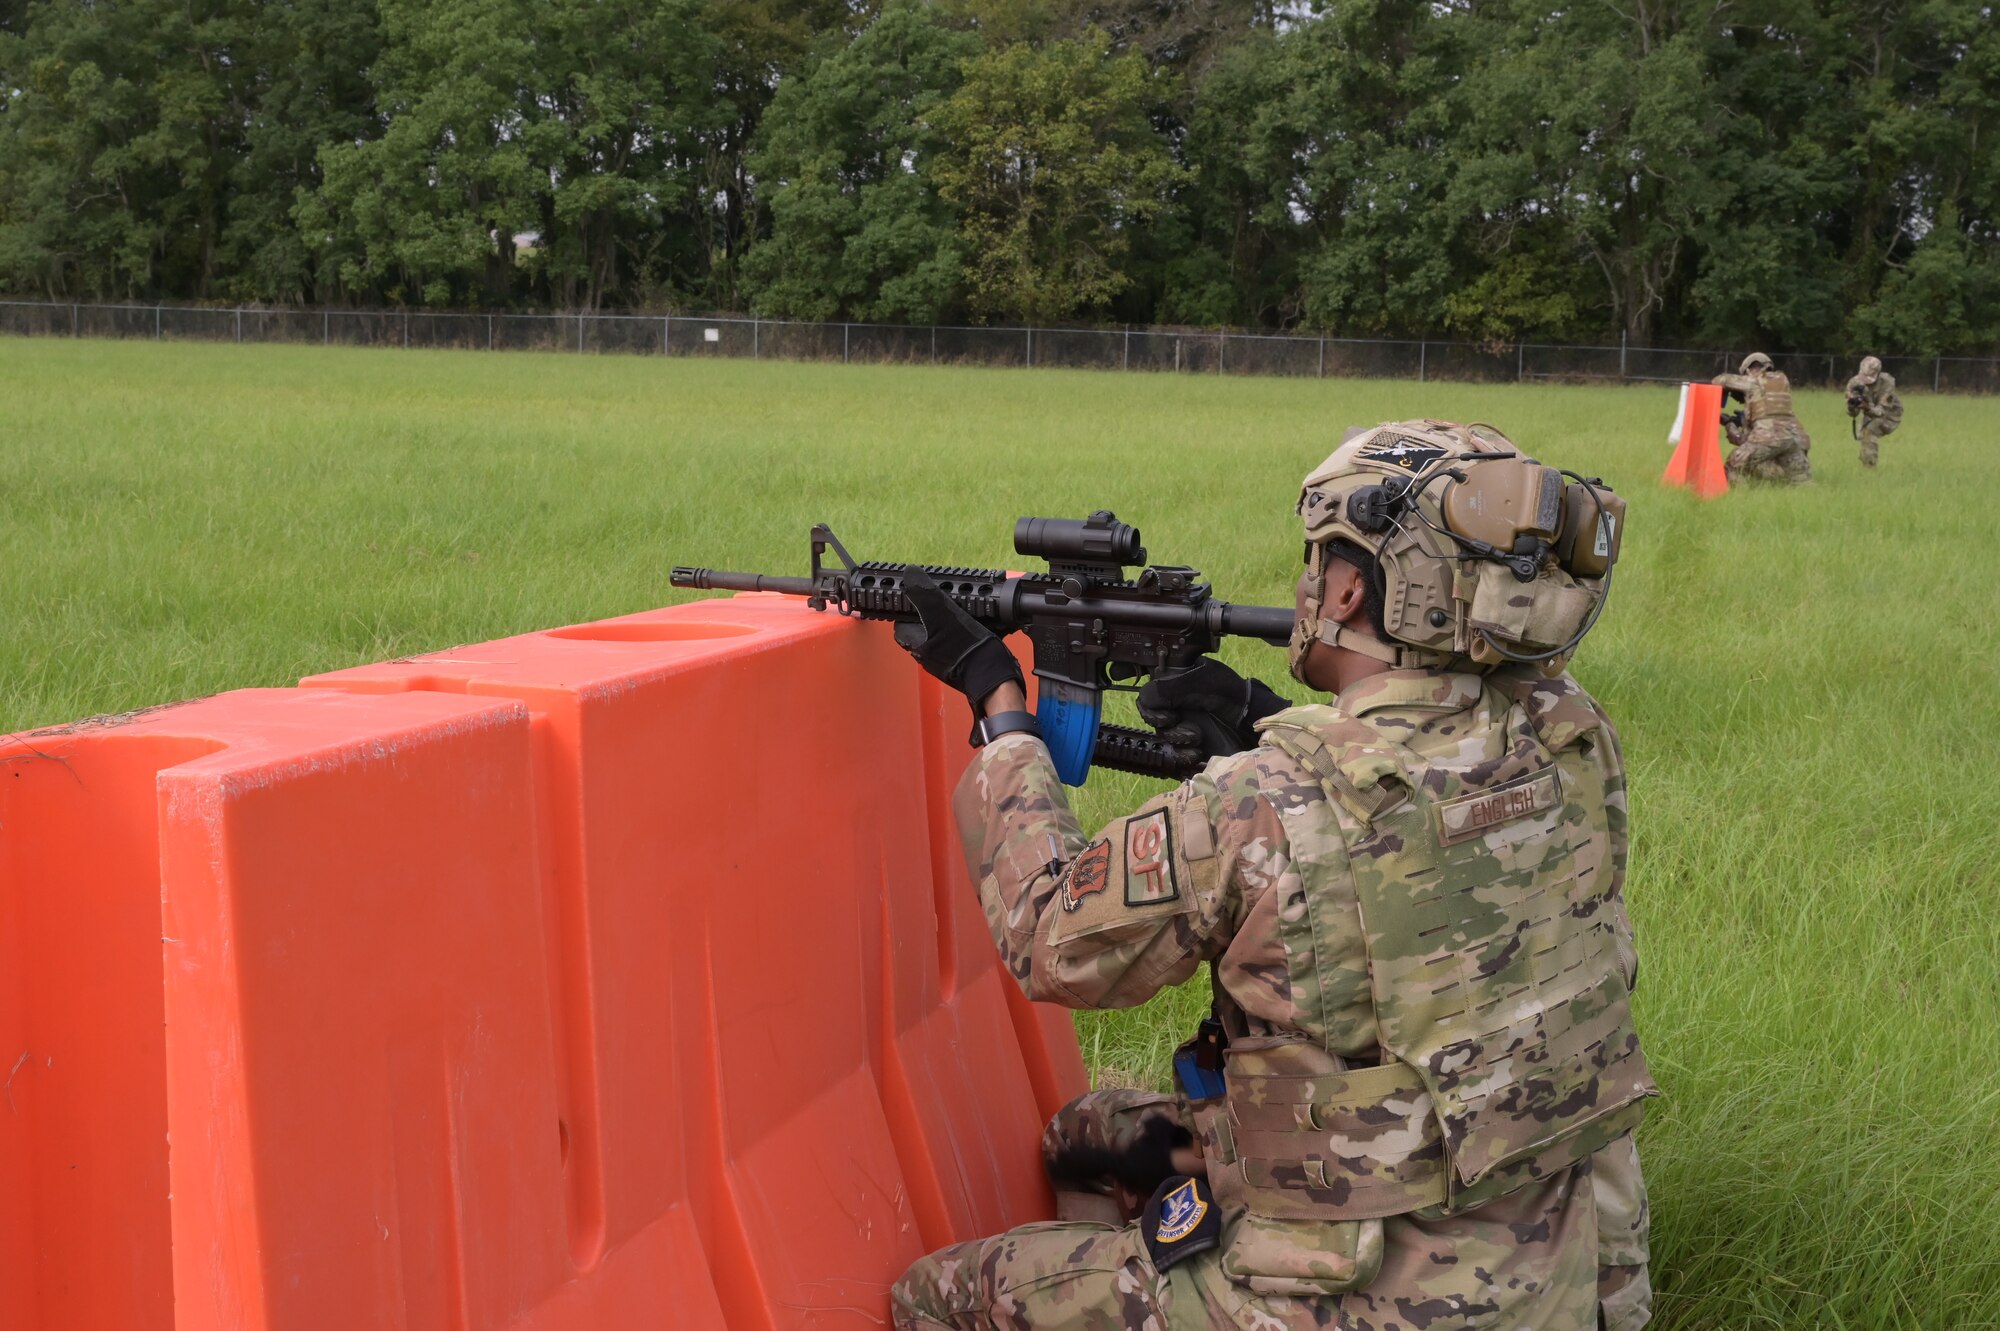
(1180, 1212)
(1180, 1220)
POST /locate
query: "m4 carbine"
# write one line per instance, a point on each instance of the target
(1092, 628)
(1857, 399)
(1732, 421)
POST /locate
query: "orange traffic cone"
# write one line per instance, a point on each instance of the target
(1697, 463)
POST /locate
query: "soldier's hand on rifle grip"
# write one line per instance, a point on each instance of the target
(1209, 706)
(952, 645)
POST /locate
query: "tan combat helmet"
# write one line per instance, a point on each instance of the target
(1753, 362)
(1871, 369)
(1486, 555)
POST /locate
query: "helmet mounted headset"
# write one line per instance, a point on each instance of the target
(1486, 555)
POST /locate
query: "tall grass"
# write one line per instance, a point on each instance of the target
(1806, 680)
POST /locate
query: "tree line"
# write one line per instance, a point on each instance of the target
(1794, 173)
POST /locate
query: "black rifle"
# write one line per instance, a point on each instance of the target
(1733, 420)
(1092, 628)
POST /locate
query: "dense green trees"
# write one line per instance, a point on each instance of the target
(1049, 163)
(847, 165)
(1819, 173)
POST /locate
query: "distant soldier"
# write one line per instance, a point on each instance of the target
(1769, 444)
(1872, 401)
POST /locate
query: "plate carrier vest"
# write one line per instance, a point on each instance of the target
(1775, 399)
(1508, 1051)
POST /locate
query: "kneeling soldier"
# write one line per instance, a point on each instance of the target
(1412, 1105)
(1771, 445)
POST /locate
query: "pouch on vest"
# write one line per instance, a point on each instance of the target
(1302, 1260)
(1318, 1140)
(1295, 1236)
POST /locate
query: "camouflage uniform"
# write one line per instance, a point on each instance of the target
(1881, 409)
(1264, 866)
(1772, 445)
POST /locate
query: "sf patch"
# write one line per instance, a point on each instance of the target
(1400, 451)
(1087, 876)
(1180, 1221)
(1149, 860)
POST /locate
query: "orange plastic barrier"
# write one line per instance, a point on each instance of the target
(1697, 463)
(283, 1038)
(619, 975)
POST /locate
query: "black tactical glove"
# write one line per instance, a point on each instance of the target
(1209, 706)
(952, 645)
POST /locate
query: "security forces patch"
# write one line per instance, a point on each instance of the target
(1088, 875)
(1149, 860)
(1399, 451)
(1180, 1221)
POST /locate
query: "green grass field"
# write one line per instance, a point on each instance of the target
(1806, 681)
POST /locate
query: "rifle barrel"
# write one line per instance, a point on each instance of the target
(715, 580)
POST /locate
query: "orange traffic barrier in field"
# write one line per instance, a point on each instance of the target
(280, 1041)
(1697, 462)
(619, 975)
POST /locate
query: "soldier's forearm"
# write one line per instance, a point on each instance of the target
(1017, 830)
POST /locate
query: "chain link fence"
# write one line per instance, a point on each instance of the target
(1177, 350)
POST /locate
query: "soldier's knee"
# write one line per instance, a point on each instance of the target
(909, 1309)
(1032, 1276)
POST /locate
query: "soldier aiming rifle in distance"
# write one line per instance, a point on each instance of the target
(1877, 411)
